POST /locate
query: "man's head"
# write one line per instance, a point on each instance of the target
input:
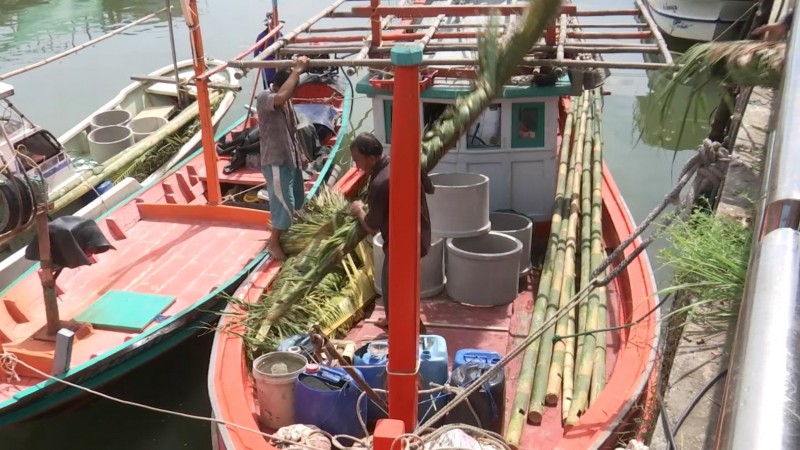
(280, 77)
(366, 151)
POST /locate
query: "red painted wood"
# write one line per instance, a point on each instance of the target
(404, 249)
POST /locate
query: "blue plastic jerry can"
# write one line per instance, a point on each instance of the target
(327, 398)
(468, 355)
(372, 359)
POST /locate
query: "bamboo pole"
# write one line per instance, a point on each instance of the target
(598, 255)
(415, 12)
(607, 25)
(75, 189)
(562, 37)
(610, 35)
(556, 374)
(586, 237)
(522, 397)
(569, 366)
(79, 47)
(184, 82)
(540, 378)
(586, 355)
(584, 47)
(381, 63)
(662, 45)
(432, 29)
(302, 28)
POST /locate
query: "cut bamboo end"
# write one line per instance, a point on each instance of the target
(535, 415)
(551, 399)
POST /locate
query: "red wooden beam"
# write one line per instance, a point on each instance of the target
(375, 22)
(404, 230)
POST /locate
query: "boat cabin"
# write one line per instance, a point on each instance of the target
(514, 142)
(42, 154)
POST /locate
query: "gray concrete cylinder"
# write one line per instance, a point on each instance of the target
(145, 126)
(520, 227)
(483, 270)
(431, 267)
(460, 205)
(109, 141)
(110, 118)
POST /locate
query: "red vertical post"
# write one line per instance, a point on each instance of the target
(404, 229)
(376, 23)
(204, 104)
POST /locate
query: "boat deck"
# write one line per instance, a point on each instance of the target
(182, 250)
(496, 329)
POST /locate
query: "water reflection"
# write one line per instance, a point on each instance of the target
(685, 121)
(32, 28)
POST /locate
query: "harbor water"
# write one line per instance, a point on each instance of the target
(58, 95)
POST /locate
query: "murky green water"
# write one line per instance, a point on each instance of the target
(62, 93)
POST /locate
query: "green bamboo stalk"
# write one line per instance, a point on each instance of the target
(598, 255)
(586, 236)
(586, 356)
(540, 378)
(554, 382)
(569, 366)
(522, 397)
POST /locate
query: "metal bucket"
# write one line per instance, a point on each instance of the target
(275, 375)
(110, 118)
(483, 270)
(109, 141)
(145, 126)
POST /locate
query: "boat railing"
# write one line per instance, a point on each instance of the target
(761, 405)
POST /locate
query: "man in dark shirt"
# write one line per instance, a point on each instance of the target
(367, 153)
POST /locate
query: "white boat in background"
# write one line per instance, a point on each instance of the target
(701, 20)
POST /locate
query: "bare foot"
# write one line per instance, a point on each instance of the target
(382, 323)
(275, 250)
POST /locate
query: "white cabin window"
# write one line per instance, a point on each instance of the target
(486, 131)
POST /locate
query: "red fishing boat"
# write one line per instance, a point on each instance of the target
(516, 145)
(154, 269)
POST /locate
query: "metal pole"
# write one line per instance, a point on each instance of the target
(46, 273)
(178, 89)
(404, 245)
(761, 401)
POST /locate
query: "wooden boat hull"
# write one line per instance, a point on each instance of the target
(244, 250)
(232, 393)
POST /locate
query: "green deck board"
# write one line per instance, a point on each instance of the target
(123, 310)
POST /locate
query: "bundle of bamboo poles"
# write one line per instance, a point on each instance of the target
(566, 365)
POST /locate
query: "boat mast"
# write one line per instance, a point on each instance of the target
(404, 246)
(192, 18)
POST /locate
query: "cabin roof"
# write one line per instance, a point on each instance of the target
(447, 88)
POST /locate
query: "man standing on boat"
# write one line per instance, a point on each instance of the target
(282, 160)
(367, 154)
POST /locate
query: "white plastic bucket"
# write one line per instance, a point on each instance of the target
(109, 141)
(274, 375)
(110, 118)
(145, 126)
